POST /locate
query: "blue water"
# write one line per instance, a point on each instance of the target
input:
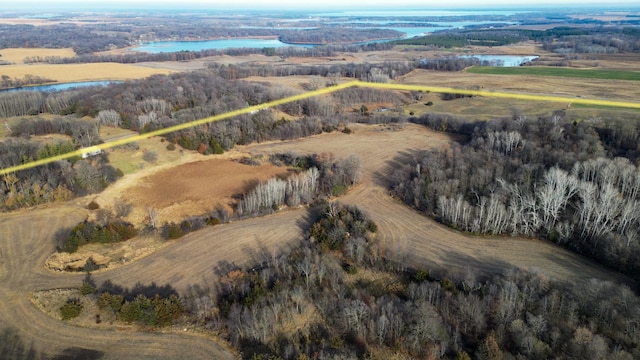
(61, 86)
(504, 60)
(175, 46)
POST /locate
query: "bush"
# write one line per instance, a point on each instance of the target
(71, 309)
(430, 103)
(172, 231)
(150, 156)
(171, 146)
(93, 205)
(91, 232)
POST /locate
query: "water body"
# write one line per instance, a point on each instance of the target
(175, 46)
(503, 60)
(416, 13)
(61, 86)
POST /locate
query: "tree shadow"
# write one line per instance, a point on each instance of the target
(60, 236)
(308, 219)
(385, 176)
(148, 291)
(13, 348)
(76, 353)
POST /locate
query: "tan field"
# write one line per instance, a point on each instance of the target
(17, 55)
(82, 72)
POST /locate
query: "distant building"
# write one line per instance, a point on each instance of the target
(91, 151)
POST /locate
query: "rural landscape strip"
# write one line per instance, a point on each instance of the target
(327, 90)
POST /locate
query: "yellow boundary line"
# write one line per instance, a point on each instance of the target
(310, 94)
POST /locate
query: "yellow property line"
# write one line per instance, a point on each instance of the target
(310, 94)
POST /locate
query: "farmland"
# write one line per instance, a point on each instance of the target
(562, 72)
(270, 283)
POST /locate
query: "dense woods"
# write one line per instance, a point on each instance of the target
(341, 294)
(534, 177)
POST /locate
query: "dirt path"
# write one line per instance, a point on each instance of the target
(27, 239)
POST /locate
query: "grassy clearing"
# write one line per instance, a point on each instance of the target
(82, 72)
(557, 71)
(481, 108)
(603, 107)
(17, 55)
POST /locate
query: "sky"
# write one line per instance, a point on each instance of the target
(304, 4)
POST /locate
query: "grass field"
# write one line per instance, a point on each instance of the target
(82, 72)
(557, 71)
(17, 55)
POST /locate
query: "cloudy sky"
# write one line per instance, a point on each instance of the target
(302, 4)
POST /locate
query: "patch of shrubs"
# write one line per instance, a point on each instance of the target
(90, 232)
(71, 309)
(172, 230)
(155, 311)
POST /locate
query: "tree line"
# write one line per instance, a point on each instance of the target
(542, 177)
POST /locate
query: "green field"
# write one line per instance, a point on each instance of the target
(557, 71)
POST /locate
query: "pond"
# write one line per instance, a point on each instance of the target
(60, 86)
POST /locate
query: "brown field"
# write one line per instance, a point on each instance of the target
(197, 187)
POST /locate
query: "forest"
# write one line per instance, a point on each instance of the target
(341, 295)
(573, 183)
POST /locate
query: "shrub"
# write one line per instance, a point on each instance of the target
(150, 156)
(93, 205)
(430, 103)
(171, 146)
(71, 309)
(172, 231)
(420, 276)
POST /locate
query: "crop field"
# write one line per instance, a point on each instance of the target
(558, 71)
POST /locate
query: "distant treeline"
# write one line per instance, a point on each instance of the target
(338, 35)
(562, 39)
(284, 52)
(82, 39)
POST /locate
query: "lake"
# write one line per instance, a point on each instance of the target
(175, 46)
(417, 13)
(60, 86)
(504, 60)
